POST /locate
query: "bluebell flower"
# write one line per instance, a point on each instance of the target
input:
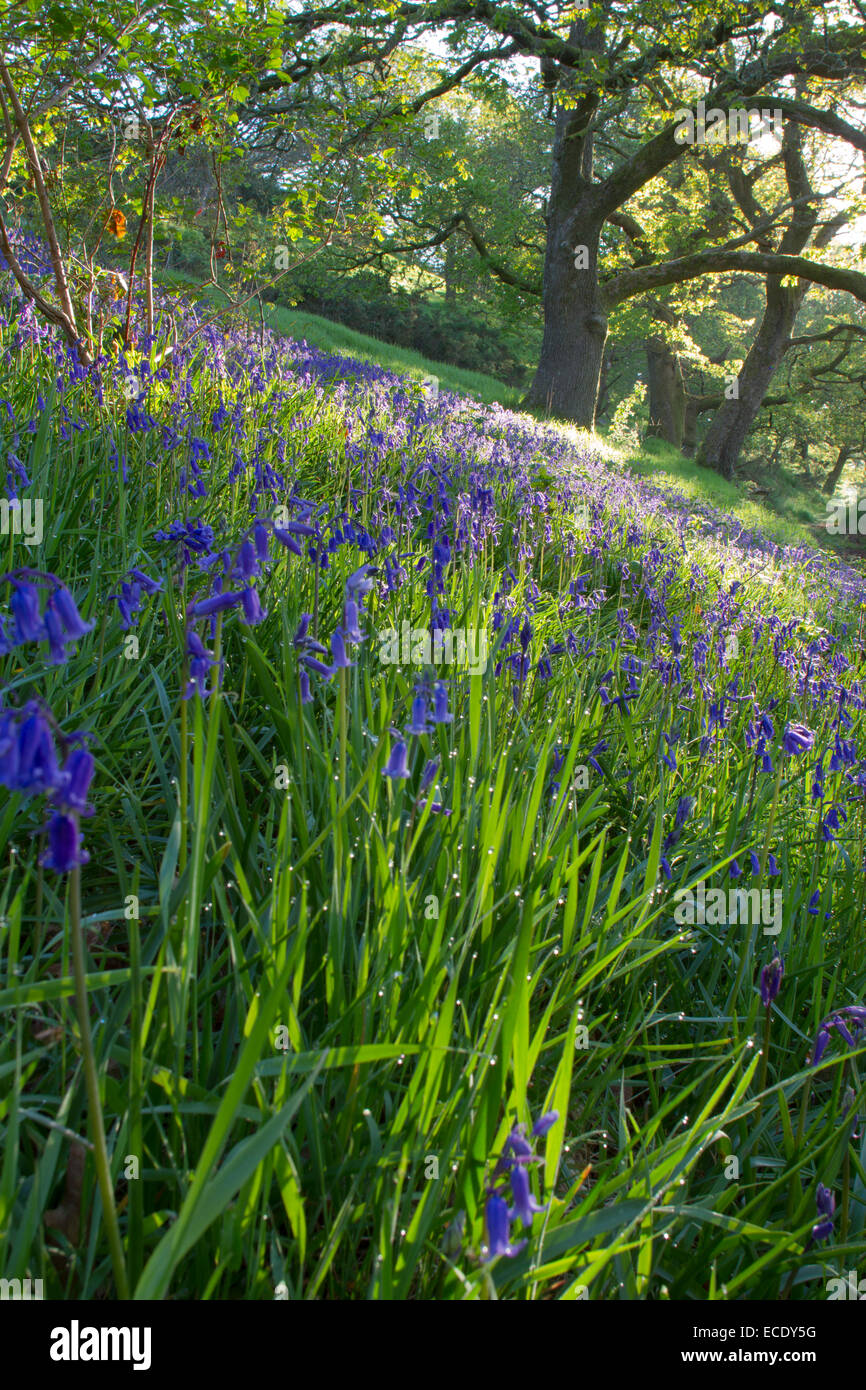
(418, 724)
(797, 739)
(312, 663)
(339, 656)
(73, 624)
(396, 766)
(200, 662)
(217, 603)
(497, 1221)
(826, 1203)
(351, 613)
(287, 539)
(37, 770)
(247, 566)
(814, 902)
(360, 582)
(440, 704)
(57, 653)
(24, 603)
(75, 779)
(65, 850)
(514, 1162)
(544, 1123)
(771, 980)
(600, 747)
(838, 1022)
(251, 607)
(144, 581)
(525, 1205)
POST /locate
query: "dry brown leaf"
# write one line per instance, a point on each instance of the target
(66, 1218)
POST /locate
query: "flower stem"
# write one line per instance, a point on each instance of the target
(91, 1079)
(765, 1057)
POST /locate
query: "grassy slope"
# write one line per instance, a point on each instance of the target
(785, 516)
(334, 337)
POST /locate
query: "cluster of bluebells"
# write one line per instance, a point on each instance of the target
(849, 1022)
(133, 587)
(735, 869)
(511, 1181)
(429, 708)
(57, 622)
(29, 760)
(346, 635)
(235, 577)
(30, 765)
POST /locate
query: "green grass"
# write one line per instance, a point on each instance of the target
(790, 515)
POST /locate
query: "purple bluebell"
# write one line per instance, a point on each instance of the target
(428, 776)
(251, 607)
(312, 663)
(497, 1220)
(150, 586)
(38, 770)
(524, 1204)
(65, 851)
(73, 624)
(771, 980)
(826, 1203)
(838, 1022)
(797, 739)
(200, 662)
(396, 766)
(217, 603)
(418, 724)
(544, 1123)
(440, 713)
(351, 629)
(286, 539)
(75, 778)
(28, 624)
(261, 540)
(361, 582)
(339, 657)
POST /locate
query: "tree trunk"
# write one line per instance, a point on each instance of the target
(566, 381)
(575, 325)
(734, 418)
(667, 400)
(690, 428)
(835, 473)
